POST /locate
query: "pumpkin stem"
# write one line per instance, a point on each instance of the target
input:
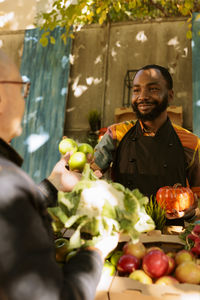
(176, 185)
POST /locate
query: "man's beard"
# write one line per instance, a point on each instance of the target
(156, 111)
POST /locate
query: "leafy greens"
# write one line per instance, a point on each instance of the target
(100, 207)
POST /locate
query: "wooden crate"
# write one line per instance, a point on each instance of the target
(175, 114)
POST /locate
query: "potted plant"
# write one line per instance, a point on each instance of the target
(94, 119)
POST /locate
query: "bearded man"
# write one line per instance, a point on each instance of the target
(151, 152)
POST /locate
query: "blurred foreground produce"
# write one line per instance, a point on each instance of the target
(97, 208)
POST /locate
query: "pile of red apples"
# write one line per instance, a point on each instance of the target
(153, 265)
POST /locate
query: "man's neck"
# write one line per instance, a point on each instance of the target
(153, 126)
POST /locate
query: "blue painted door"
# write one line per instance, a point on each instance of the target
(43, 123)
(196, 72)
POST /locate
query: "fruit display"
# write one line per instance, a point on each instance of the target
(175, 198)
(153, 265)
(80, 153)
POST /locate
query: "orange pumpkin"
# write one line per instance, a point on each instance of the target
(175, 197)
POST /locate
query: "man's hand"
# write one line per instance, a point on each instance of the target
(63, 179)
(97, 171)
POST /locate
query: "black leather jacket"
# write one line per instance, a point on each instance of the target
(28, 270)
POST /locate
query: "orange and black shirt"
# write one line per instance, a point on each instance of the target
(105, 151)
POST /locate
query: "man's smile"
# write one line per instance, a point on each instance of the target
(145, 105)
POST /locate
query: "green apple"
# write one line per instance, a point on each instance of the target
(108, 268)
(137, 249)
(62, 248)
(67, 145)
(141, 276)
(115, 257)
(86, 148)
(183, 256)
(188, 272)
(77, 161)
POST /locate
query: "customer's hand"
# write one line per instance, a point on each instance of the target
(106, 245)
(63, 179)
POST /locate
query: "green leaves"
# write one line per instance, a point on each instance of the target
(44, 40)
(73, 13)
(156, 212)
(98, 208)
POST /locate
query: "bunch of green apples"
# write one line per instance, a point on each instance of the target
(80, 153)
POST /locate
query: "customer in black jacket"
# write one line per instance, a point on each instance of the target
(28, 270)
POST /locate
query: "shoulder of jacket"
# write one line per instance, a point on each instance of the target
(118, 130)
(187, 138)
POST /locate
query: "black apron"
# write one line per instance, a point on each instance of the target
(148, 163)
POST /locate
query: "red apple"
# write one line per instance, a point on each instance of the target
(183, 256)
(172, 264)
(166, 280)
(155, 263)
(137, 249)
(188, 272)
(141, 276)
(127, 263)
(154, 248)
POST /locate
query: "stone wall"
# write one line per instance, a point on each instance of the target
(101, 56)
